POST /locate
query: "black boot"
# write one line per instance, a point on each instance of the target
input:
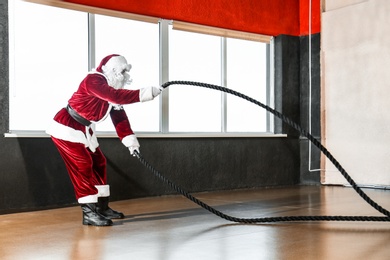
(106, 211)
(92, 217)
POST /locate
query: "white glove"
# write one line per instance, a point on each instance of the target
(132, 150)
(132, 143)
(147, 94)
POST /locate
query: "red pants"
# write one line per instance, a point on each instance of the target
(85, 168)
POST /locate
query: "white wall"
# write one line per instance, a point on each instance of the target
(356, 89)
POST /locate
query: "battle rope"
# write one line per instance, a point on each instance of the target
(272, 219)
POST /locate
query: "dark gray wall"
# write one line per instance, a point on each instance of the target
(287, 75)
(310, 176)
(33, 176)
(4, 78)
(294, 97)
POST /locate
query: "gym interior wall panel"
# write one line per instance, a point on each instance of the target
(206, 164)
(310, 106)
(298, 98)
(287, 69)
(34, 176)
(4, 67)
(356, 76)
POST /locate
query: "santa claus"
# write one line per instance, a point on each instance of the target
(100, 94)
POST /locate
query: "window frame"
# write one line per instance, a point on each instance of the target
(164, 74)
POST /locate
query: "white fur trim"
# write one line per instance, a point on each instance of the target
(145, 94)
(103, 190)
(88, 199)
(91, 139)
(97, 72)
(67, 133)
(130, 141)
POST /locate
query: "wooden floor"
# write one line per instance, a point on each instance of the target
(173, 227)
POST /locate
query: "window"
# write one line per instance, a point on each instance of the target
(138, 42)
(247, 74)
(52, 49)
(241, 65)
(194, 57)
(48, 58)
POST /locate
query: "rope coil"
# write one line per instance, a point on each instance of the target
(285, 119)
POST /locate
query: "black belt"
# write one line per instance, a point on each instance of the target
(77, 117)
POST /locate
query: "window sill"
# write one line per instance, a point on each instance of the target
(41, 134)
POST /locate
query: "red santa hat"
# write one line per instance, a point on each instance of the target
(113, 61)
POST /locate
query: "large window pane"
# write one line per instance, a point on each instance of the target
(48, 58)
(139, 43)
(194, 57)
(246, 73)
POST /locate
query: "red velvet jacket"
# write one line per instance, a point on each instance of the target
(94, 99)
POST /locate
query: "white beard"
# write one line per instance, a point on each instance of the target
(118, 80)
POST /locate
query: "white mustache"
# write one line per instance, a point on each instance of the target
(119, 80)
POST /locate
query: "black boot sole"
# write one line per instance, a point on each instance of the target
(92, 223)
(114, 217)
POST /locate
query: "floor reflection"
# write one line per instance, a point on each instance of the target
(173, 227)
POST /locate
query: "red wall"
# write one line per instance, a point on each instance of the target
(270, 17)
(304, 16)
